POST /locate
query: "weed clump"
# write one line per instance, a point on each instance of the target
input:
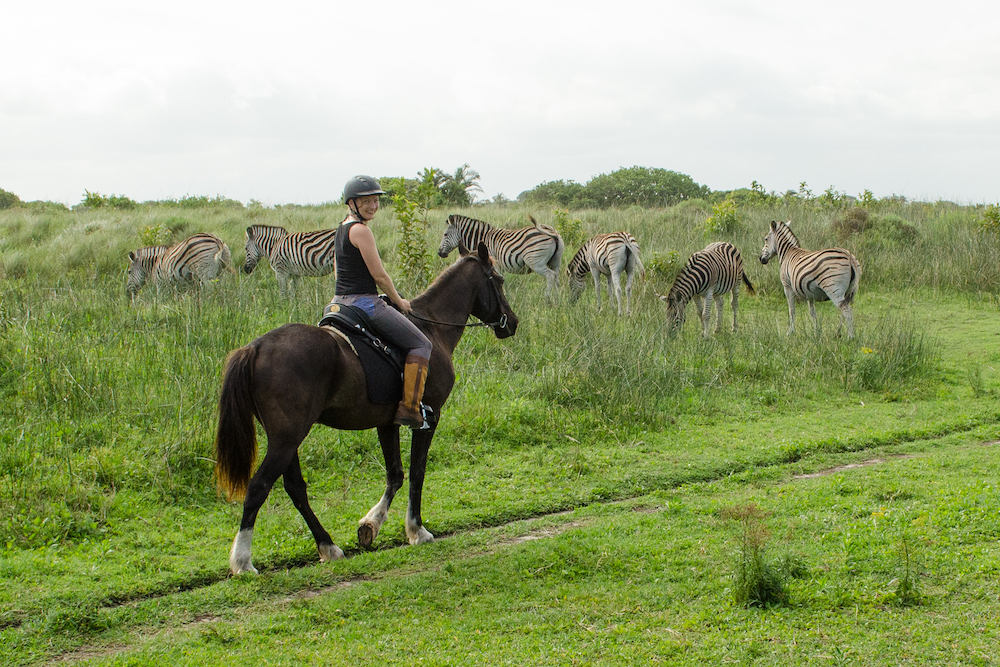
(757, 582)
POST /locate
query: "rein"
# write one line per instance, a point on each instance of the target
(501, 323)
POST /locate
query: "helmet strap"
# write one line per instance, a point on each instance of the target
(354, 210)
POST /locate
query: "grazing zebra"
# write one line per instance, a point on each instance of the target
(198, 258)
(538, 248)
(261, 240)
(292, 256)
(707, 276)
(609, 255)
(813, 275)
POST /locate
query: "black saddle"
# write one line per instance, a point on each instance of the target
(383, 363)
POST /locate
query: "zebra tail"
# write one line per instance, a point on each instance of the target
(852, 286)
(236, 439)
(225, 259)
(633, 247)
(746, 281)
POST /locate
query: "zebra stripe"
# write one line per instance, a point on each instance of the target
(310, 254)
(813, 275)
(260, 242)
(538, 248)
(608, 255)
(198, 258)
(707, 276)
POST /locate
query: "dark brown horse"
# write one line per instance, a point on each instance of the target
(297, 375)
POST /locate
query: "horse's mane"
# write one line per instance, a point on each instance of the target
(444, 276)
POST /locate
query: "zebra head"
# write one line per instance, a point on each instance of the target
(142, 263)
(676, 311)
(779, 238)
(577, 270)
(261, 240)
(452, 239)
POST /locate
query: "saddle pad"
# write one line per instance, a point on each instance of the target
(382, 374)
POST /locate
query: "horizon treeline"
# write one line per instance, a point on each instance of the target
(646, 187)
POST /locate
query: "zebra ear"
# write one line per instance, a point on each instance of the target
(774, 225)
(463, 249)
(484, 254)
(131, 256)
(788, 224)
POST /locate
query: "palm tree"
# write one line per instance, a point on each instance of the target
(458, 188)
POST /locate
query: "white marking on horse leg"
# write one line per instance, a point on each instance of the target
(239, 555)
(415, 532)
(328, 552)
(370, 525)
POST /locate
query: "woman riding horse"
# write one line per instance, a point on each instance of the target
(359, 273)
(298, 375)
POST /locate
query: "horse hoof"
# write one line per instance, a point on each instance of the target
(328, 552)
(366, 534)
(242, 568)
(422, 537)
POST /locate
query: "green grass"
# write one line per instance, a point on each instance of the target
(114, 542)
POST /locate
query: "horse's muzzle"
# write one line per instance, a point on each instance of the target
(506, 327)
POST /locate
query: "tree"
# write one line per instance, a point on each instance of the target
(8, 199)
(643, 186)
(457, 189)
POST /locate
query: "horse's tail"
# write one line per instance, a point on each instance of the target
(236, 440)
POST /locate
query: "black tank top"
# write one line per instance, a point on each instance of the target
(353, 276)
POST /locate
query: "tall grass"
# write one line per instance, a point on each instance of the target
(100, 395)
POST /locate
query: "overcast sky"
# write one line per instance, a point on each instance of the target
(283, 101)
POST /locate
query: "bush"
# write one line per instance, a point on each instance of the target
(570, 229)
(97, 200)
(853, 221)
(756, 581)
(989, 223)
(724, 219)
(8, 199)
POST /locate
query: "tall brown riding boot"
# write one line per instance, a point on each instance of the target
(414, 377)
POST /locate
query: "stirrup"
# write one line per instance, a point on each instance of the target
(426, 413)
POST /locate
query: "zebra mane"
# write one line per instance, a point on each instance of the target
(578, 266)
(784, 232)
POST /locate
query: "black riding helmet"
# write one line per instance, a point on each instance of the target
(361, 186)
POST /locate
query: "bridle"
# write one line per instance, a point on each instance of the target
(501, 323)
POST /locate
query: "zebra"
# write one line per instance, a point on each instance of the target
(198, 258)
(260, 242)
(707, 275)
(610, 255)
(813, 275)
(291, 255)
(538, 248)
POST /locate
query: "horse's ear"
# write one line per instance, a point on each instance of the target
(484, 254)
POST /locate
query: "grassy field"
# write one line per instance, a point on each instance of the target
(581, 483)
